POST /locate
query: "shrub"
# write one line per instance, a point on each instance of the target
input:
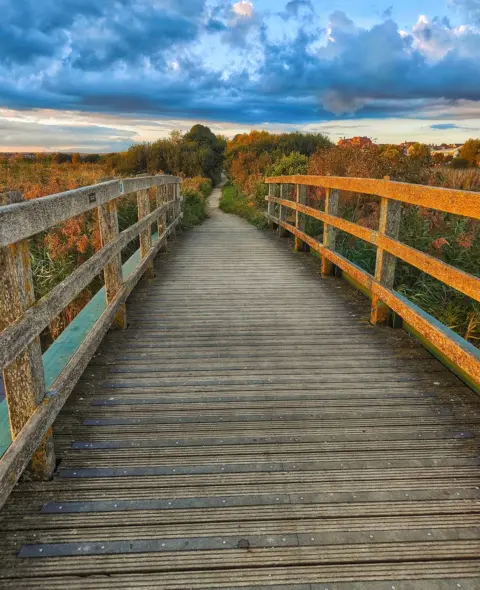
(195, 192)
(460, 163)
(233, 201)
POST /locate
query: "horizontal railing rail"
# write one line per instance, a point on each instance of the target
(37, 386)
(22, 220)
(457, 352)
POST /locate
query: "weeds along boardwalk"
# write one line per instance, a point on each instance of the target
(252, 429)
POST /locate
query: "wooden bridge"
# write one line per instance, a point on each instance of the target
(252, 425)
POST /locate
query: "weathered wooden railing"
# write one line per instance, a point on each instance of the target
(459, 354)
(37, 385)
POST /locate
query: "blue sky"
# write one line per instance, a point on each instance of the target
(97, 76)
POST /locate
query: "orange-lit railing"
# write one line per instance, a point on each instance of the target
(458, 353)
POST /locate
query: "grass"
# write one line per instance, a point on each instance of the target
(194, 210)
(195, 193)
(39, 178)
(233, 201)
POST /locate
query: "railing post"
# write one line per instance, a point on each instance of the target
(301, 198)
(172, 195)
(177, 203)
(282, 215)
(113, 273)
(389, 225)
(160, 198)
(23, 379)
(270, 205)
(329, 232)
(143, 203)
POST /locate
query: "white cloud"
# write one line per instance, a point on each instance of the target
(434, 38)
(243, 8)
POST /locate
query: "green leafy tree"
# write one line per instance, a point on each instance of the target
(294, 163)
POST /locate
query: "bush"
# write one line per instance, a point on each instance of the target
(233, 201)
(294, 163)
(195, 192)
(198, 184)
(460, 163)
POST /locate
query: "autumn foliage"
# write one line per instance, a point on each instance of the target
(455, 240)
(58, 252)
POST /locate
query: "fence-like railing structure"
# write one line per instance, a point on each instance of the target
(459, 354)
(36, 386)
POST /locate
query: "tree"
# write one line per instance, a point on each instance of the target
(62, 158)
(420, 151)
(470, 151)
(294, 163)
(207, 151)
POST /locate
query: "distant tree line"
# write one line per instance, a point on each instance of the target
(198, 153)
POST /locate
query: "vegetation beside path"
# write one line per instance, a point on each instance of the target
(233, 201)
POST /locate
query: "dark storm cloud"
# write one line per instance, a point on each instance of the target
(145, 56)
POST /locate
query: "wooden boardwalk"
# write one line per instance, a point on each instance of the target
(251, 429)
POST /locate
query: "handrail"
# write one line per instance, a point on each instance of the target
(31, 408)
(458, 353)
(23, 220)
(448, 200)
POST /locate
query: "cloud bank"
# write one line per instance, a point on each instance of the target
(228, 61)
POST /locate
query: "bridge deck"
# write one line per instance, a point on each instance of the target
(251, 429)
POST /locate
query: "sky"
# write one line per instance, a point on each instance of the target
(98, 76)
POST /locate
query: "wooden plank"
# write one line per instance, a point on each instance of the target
(427, 575)
(454, 201)
(23, 378)
(18, 335)
(143, 204)
(234, 556)
(329, 232)
(389, 225)
(113, 274)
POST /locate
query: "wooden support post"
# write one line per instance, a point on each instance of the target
(389, 225)
(282, 216)
(329, 232)
(172, 195)
(143, 202)
(176, 205)
(160, 195)
(23, 379)
(270, 205)
(113, 274)
(301, 198)
(180, 199)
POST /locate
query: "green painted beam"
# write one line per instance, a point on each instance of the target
(5, 436)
